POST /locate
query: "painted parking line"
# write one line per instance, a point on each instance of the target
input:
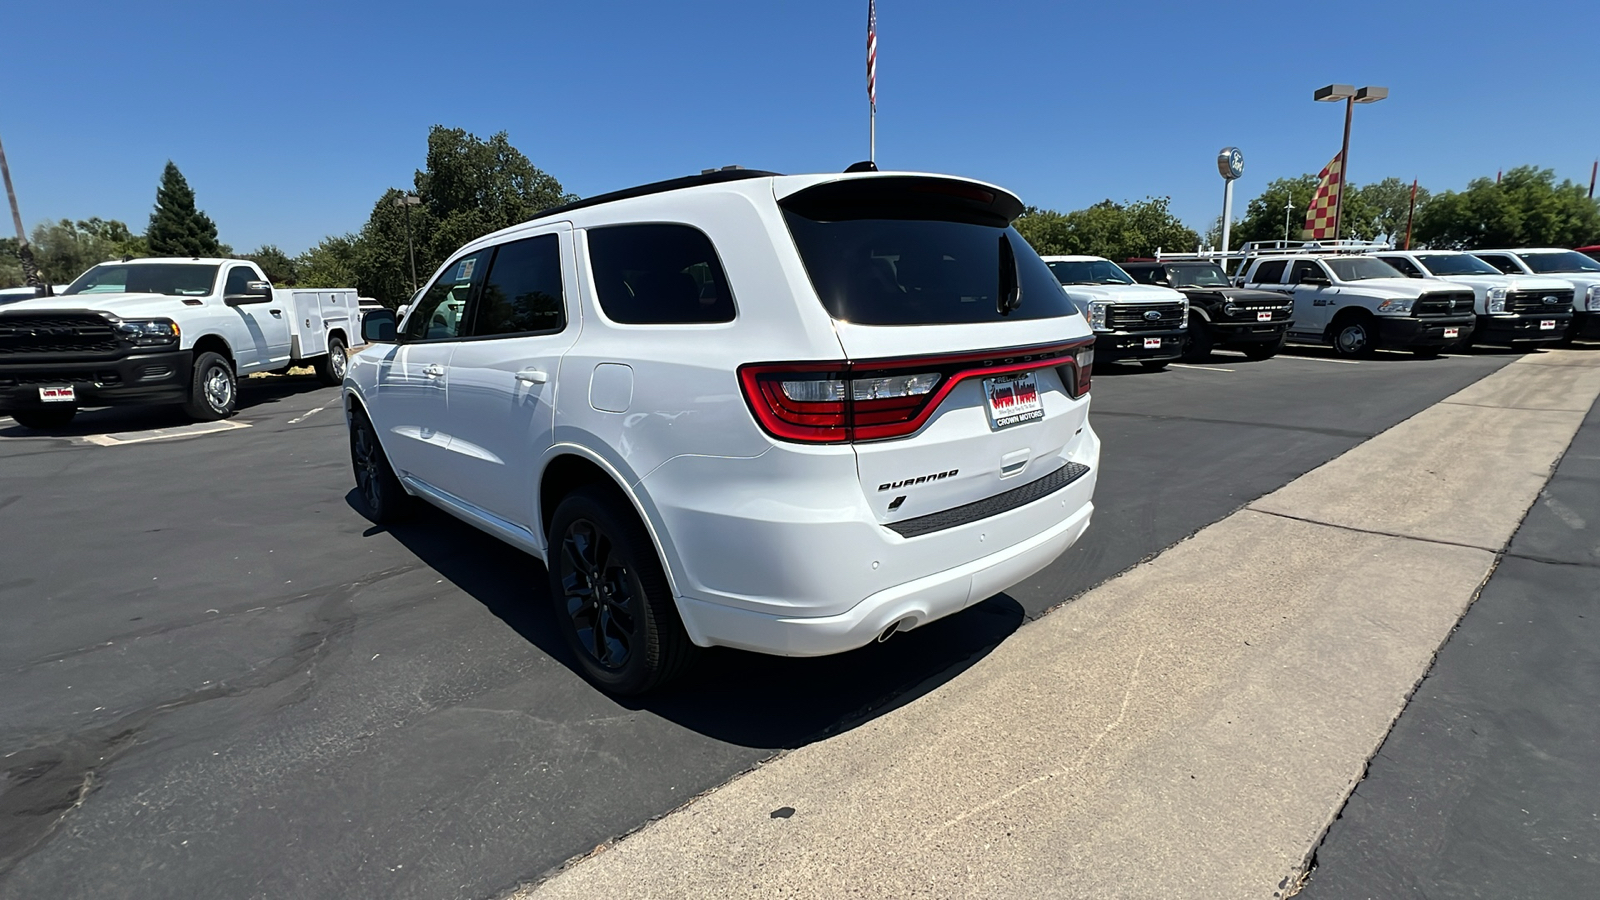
(123, 438)
(298, 419)
(1342, 362)
(1202, 368)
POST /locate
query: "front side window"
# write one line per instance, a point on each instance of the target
(239, 278)
(658, 274)
(440, 312)
(1456, 264)
(523, 293)
(1093, 271)
(171, 279)
(1403, 266)
(1361, 268)
(1303, 268)
(1556, 263)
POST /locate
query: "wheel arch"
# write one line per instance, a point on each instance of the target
(570, 466)
(215, 343)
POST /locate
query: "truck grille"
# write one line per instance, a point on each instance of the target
(1444, 303)
(1131, 317)
(57, 333)
(1533, 301)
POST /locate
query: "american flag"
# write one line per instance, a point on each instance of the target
(872, 52)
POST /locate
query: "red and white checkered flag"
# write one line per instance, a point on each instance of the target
(872, 53)
(1325, 202)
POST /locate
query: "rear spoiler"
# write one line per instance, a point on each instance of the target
(906, 197)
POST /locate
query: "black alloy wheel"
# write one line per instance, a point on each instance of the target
(382, 497)
(612, 603)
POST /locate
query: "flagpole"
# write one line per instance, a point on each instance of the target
(872, 141)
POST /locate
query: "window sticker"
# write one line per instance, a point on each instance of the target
(464, 271)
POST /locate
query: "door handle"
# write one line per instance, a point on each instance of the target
(276, 313)
(532, 376)
(433, 370)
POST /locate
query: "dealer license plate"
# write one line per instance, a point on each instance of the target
(1547, 324)
(1452, 332)
(64, 394)
(1263, 317)
(1152, 343)
(1013, 399)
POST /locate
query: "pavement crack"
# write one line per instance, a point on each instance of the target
(1373, 531)
(1517, 408)
(1528, 557)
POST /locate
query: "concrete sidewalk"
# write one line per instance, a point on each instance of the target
(1188, 729)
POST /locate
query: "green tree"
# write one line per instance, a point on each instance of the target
(1525, 209)
(66, 249)
(1371, 212)
(177, 228)
(331, 263)
(1388, 203)
(10, 264)
(1116, 231)
(279, 267)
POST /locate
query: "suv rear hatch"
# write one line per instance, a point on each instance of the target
(963, 354)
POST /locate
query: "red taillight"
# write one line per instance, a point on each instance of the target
(832, 403)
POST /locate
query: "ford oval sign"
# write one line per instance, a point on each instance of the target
(1551, 300)
(1230, 163)
(1153, 315)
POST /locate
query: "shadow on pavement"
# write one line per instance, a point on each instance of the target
(748, 699)
(254, 394)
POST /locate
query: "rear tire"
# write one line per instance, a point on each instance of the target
(1155, 365)
(48, 419)
(612, 603)
(213, 389)
(382, 499)
(331, 368)
(1198, 343)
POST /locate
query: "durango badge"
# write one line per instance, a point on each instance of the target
(922, 479)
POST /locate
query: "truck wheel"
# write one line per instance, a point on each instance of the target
(331, 368)
(382, 498)
(1198, 343)
(213, 389)
(1355, 337)
(1427, 352)
(47, 419)
(611, 599)
(1155, 365)
(1262, 351)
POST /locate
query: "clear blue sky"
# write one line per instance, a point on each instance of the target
(290, 118)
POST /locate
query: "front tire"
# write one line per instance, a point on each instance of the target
(1427, 352)
(213, 389)
(1198, 343)
(612, 603)
(1155, 365)
(332, 368)
(1355, 337)
(382, 498)
(1266, 350)
(48, 419)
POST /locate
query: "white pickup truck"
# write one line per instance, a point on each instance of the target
(165, 331)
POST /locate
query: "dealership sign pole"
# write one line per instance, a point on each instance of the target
(1230, 164)
(30, 271)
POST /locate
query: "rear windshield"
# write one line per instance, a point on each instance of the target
(874, 271)
(173, 279)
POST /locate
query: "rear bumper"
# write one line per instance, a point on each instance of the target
(1406, 332)
(911, 604)
(139, 378)
(1117, 346)
(1520, 328)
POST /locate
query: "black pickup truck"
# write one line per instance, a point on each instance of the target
(1221, 315)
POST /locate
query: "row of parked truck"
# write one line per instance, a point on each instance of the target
(1353, 296)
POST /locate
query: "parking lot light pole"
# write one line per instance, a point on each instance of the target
(30, 270)
(407, 201)
(1351, 96)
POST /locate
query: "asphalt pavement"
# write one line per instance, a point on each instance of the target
(1486, 786)
(218, 679)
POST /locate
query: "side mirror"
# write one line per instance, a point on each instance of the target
(254, 292)
(378, 327)
(1314, 279)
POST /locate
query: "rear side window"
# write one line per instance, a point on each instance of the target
(523, 294)
(658, 275)
(1269, 272)
(919, 272)
(1503, 263)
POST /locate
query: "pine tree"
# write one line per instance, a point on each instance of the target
(176, 227)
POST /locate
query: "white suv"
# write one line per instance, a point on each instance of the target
(789, 414)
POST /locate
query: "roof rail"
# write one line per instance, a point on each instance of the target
(707, 176)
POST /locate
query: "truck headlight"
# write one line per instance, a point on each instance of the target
(1097, 315)
(1594, 298)
(149, 332)
(1396, 307)
(1497, 300)
(1183, 314)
